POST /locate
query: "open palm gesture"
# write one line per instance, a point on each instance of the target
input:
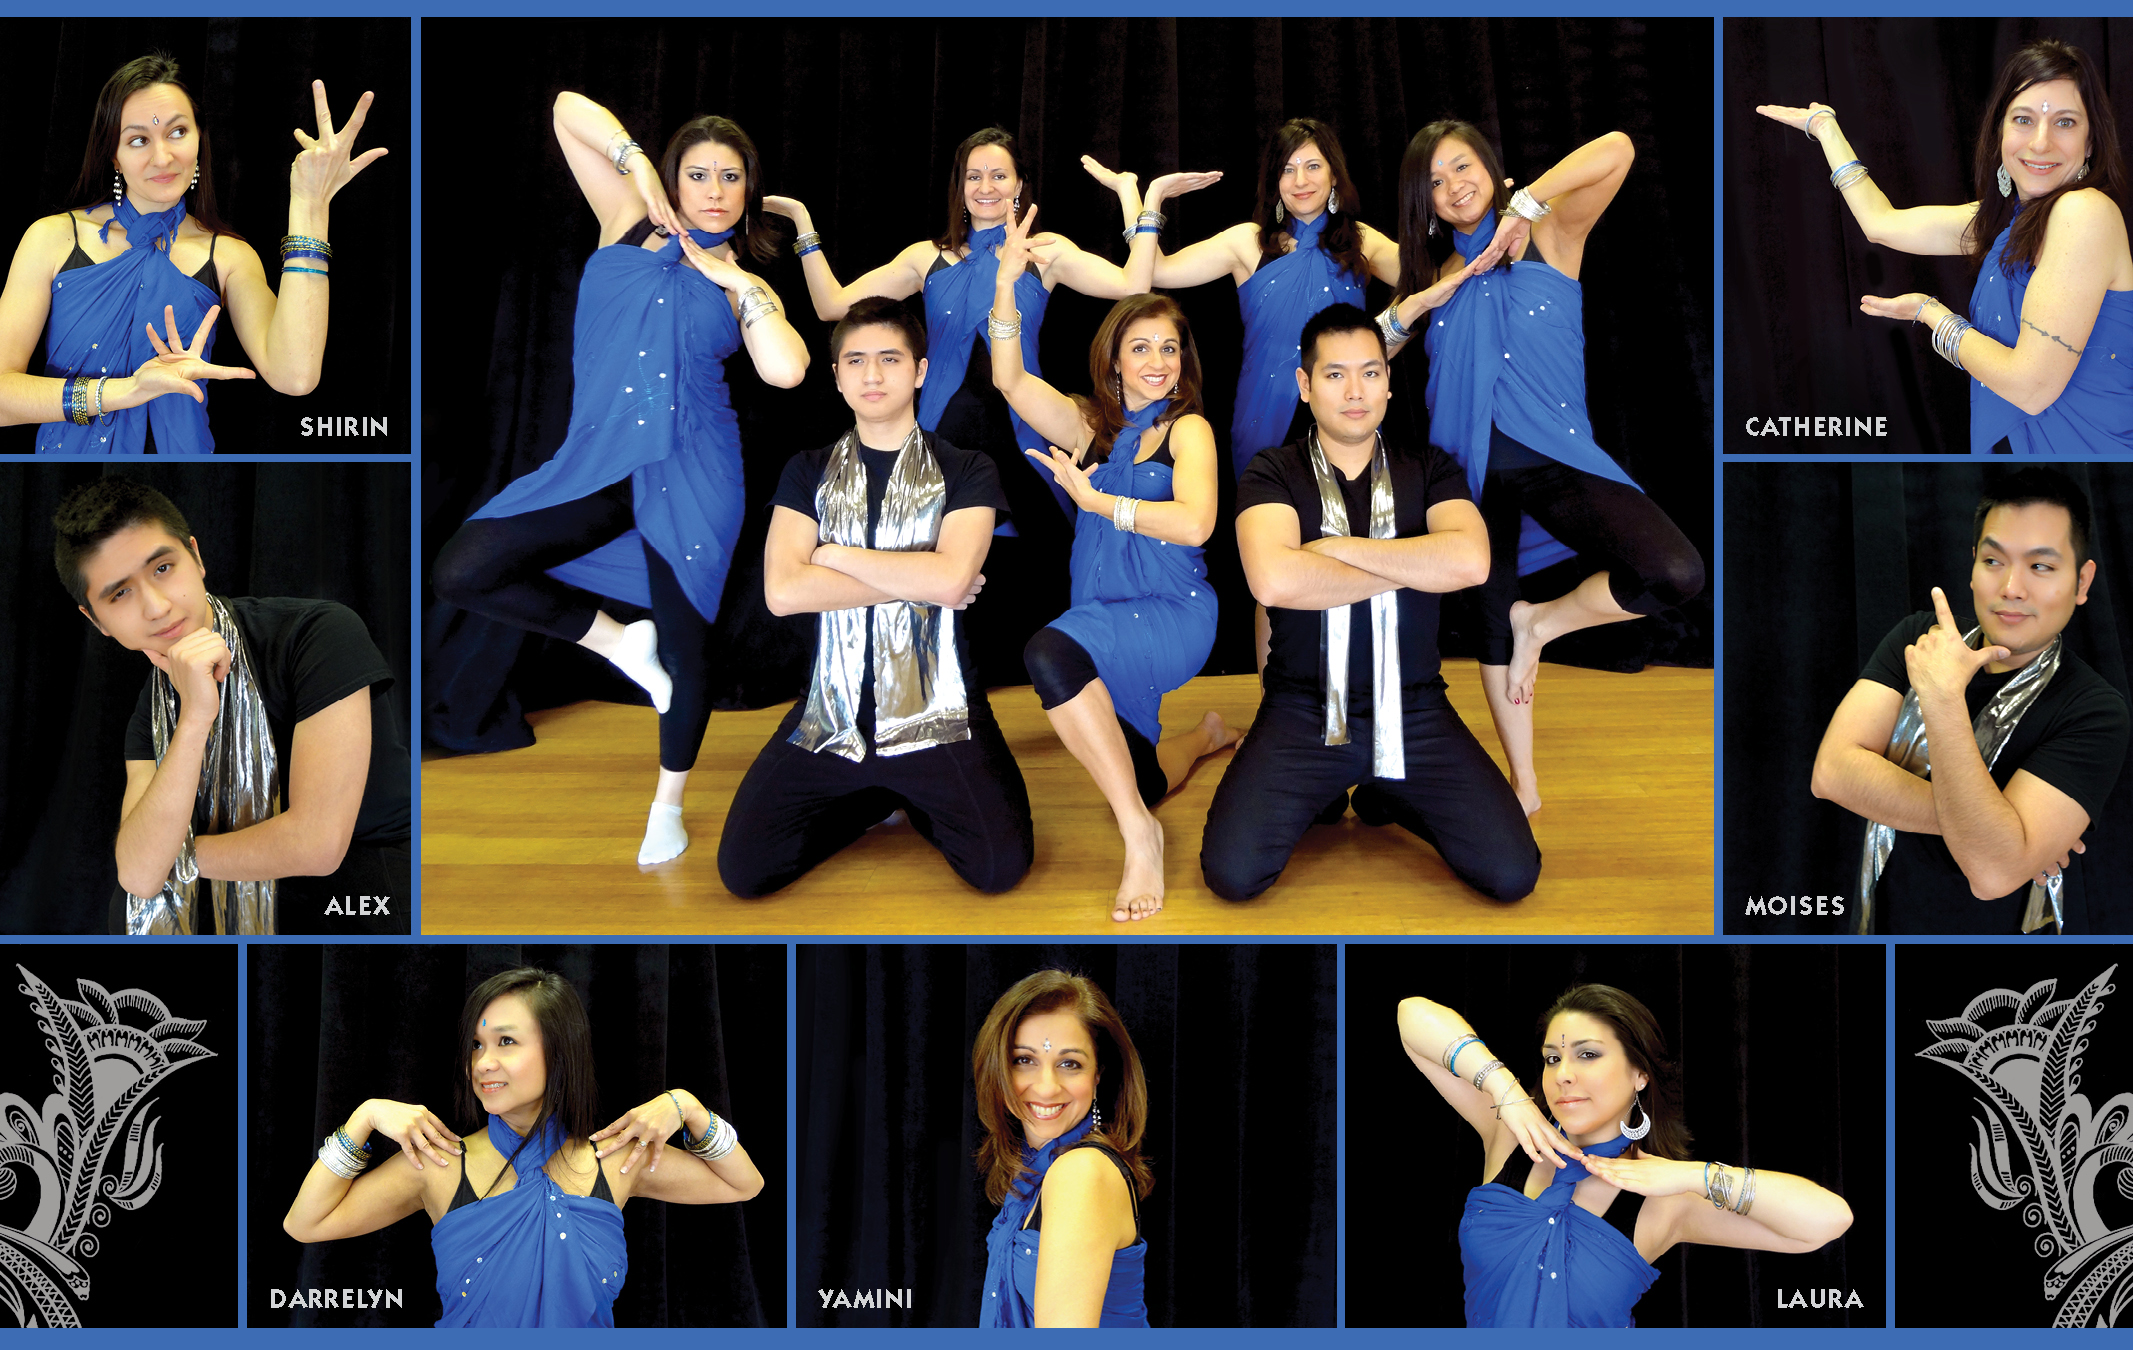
(324, 167)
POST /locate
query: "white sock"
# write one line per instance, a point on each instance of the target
(638, 657)
(664, 836)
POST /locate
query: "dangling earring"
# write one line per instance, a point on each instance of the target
(1018, 206)
(1333, 202)
(1118, 386)
(1278, 213)
(1432, 227)
(2083, 171)
(1174, 385)
(1096, 1117)
(1639, 1131)
(118, 186)
(2006, 183)
(196, 178)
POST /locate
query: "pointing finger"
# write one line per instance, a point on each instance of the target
(1940, 608)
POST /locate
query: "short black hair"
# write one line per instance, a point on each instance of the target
(878, 309)
(94, 512)
(2030, 486)
(1341, 318)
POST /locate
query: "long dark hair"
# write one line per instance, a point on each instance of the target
(1104, 408)
(2039, 61)
(1638, 1031)
(750, 236)
(572, 1098)
(1118, 1072)
(951, 239)
(1340, 239)
(1422, 253)
(93, 187)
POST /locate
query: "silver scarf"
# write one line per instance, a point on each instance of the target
(239, 787)
(919, 701)
(1388, 750)
(1995, 723)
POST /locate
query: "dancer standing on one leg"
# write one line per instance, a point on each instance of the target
(643, 501)
(1507, 400)
(1140, 465)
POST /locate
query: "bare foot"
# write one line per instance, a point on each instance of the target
(1220, 734)
(1140, 891)
(1529, 795)
(1525, 654)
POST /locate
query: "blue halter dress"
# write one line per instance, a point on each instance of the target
(1545, 1262)
(534, 1256)
(2094, 416)
(650, 405)
(1143, 610)
(1508, 349)
(1011, 1254)
(1276, 302)
(98, 326)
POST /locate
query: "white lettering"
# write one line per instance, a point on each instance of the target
(825, 1296)
(392, 1299)
(277, 1298)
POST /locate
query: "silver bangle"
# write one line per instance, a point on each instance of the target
(1929, 300)
(756, 302)
(716, 1142)
(812, 239)
(1003, 330)
(1522, 204)
(338, 1159)
(621, 154)
(1846, 174)
(1124, 512)
(1747, 1192)
(1948, 339)
(1486, 1069)
(1809, 126)
(1390, 328)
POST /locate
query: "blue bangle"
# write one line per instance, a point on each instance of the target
(289, 253)
(1147, 229)
(811, 248)
(314, 271)
(1451, 1057)
(341, 1133)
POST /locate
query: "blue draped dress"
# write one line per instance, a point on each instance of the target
(98, 326)
(1545, 1262)
(2094, 416)
(1011, 1254)
(1276, 302)
(650, 404)
(1143, 610)
(534, 1256)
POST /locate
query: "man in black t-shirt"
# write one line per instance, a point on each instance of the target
(1971, 838)
(338, 847)
(1441, 784)
(833, 768)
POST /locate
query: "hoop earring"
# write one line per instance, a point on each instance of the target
(118, 186)
(1279, 213)
(2006, 183)
(1639, 1131)
(1333, 202)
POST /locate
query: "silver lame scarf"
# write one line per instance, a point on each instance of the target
(239, 787)
(1388, 750)
(919, 701)
(1995, 723)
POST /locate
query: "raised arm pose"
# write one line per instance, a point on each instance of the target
(643, 501)
(125, 289)
(1583, 1189)
(1980, 758)
(1064, 1104)
(1138, 461)
(2050, 319)
(526, 1212)
(1507, 400)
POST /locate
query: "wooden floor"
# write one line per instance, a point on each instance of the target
(544, 840)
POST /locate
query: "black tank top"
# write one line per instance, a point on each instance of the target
(1036, 1213)
(1621, 1212)
(205, 276)
(465, 1194)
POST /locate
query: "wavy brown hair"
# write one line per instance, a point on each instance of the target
(952, 238)
(1422, 253)
(2039, 61)
(93, 187)
(572, 1097)
(1341, 239)
(1639, 1033)
(1104, 409)
(1121, 1088)
(750, 237)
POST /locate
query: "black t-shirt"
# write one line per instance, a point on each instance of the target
(307, 655)
(1419, 481)
(969, 480)
(2073, 737)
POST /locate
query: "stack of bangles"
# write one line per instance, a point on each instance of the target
(1003, 330)
(714, 1143)
(82, 399)
(1124, 512)
(756, 303)
(1522, 204)
(1846, 174)
(1450, 1058)
(811, 242)
(304, 246)
(1147, 222)
(1390, 327)
(342, 1156)
(1719, 1188)
(1948, 338)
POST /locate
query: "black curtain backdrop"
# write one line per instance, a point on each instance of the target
(336, 1025)
(1780, 1049)
(1823, 560)
(138, 1261)
(320, 531)
(1238, 1044)
(860, 121)
(253, 76)
(1910, 94)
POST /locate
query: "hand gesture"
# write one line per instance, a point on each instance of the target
(176, 365)
(196, 664)
(1512, 231)
(792, 209)
(1904, 307)
(1117, 180)
(720, 272)
(1441, 293)
(1796, 118)
(652, 191)
(415, 1129)
(324, 167)
(647, 1127)
(1940, 663)
(1639, 1175)
(1177, 185)
(1018, 250)
(1542, 1140)
(1068, 475)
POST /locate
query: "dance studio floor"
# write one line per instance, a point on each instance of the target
(544, 840)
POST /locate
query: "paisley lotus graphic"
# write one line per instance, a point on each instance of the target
(2040, 1145)
(92, 1146)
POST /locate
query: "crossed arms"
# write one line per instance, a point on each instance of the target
(1284, 572)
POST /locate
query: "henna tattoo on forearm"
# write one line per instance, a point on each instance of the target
(2054, 337)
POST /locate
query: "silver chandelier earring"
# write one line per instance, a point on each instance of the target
(1096, 1117)
(1279, 213)
(118, 185)
(1333, 202)
(1639, 1131)
(196, 179)
(2006, 183)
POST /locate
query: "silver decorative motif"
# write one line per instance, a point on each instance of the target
(2041, 1145)
(92, 1146)
(2006, 183)
(1388, 750)
(1640, 1131)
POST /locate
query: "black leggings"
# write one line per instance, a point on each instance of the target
(1651, 565)
(1061, 668)
(498, 568)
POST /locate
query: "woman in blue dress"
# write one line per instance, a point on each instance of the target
(643, 501)
(1506, 399)
(1138, 461)
(1064, 1104)
(2047, 340)
(526, 1212)
(125, 290)
(1585, 1188)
